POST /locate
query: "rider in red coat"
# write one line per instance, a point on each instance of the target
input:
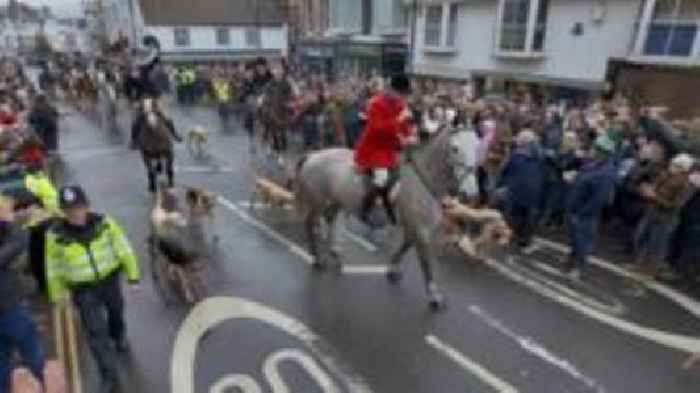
(389, 128)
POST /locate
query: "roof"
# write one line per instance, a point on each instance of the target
(211, 12)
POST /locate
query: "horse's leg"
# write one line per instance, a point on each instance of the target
(394, 273)
(331, 216)
(310, 224)
(151, 172)
(425, 257)
(169, 159)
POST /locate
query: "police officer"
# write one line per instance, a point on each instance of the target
(86, 254)
(223, 94)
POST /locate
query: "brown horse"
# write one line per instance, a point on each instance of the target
(153, 136)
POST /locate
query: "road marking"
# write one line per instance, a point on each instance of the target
(365, 269)
(471, 366)
(204, 169)
(211, 312)
(359, 240)
(617, 308)
(309, 364)
(669, 340)
(682, 300)
(293, 247)
(536, 349)
(262, 205)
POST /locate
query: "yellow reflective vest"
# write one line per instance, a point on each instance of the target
(40, 185)
(70, 262)
(222, 89)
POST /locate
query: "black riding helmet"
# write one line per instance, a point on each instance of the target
(400, 84)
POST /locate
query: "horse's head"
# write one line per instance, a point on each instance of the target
(462, 159)
(200, 202)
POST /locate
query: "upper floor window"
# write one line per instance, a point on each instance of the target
(223, 36)
(182, 36)
(252, 37)
(441, 23)
(673, 28)
(522, 26)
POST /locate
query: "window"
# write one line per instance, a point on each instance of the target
(252, 37)
(441, 25)
(182, 36)
(433, 25)
(452, 24)
(223, 36)
(522, 26)
(673, 28)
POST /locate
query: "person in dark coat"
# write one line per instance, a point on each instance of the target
(684, 256)
(523, 179)
(17, 327)
(44, 120)
(592, 190)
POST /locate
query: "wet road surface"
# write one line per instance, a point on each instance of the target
(513, 324)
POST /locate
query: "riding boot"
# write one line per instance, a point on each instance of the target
(387, 206)
(368, 203)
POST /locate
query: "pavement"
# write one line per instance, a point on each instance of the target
(272, 324)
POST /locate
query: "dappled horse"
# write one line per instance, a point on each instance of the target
(327, 182)
(153, 137)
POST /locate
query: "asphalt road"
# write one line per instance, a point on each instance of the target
(272, 324)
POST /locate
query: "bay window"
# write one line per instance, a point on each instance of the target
(522, 26)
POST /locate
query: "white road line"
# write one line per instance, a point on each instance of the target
(203, 169)
(536, 349)
(670, 340)
(365, 269)
(359, 240)
(262, 205)
(691, 305)
(212, 312)
(293, 248)
(471, 366)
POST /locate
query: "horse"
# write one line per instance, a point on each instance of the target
(327, 182)
(153, 138)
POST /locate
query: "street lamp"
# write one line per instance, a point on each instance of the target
(412, 46)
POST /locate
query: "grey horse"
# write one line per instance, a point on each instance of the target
(327, 182)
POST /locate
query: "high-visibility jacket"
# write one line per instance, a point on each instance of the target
(222, 89)
(71, 262)
(190, 77)
(40, 185)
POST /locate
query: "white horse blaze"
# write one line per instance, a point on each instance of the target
(213, 311)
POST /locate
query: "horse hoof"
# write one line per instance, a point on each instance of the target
(394, 276)
(318, 266)
(438, 303)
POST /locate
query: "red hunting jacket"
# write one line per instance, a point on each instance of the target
(379, 146)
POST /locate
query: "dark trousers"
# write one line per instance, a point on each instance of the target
(224, 115)
(582, 232)
(101, 310)
(18, 332)
(523, 219)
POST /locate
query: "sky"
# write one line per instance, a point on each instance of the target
(59, 7)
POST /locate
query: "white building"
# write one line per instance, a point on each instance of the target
(206, 30)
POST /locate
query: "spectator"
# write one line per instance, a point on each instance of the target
(523, 180)
(684, 257)
(591, 191)
(44, 120)
(664, 198)
(17, 329)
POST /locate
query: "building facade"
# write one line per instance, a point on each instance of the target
(214, 30)
(362, 37)
(569, 45)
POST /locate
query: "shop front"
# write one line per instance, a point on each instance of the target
(317, 57)
(371, 59)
